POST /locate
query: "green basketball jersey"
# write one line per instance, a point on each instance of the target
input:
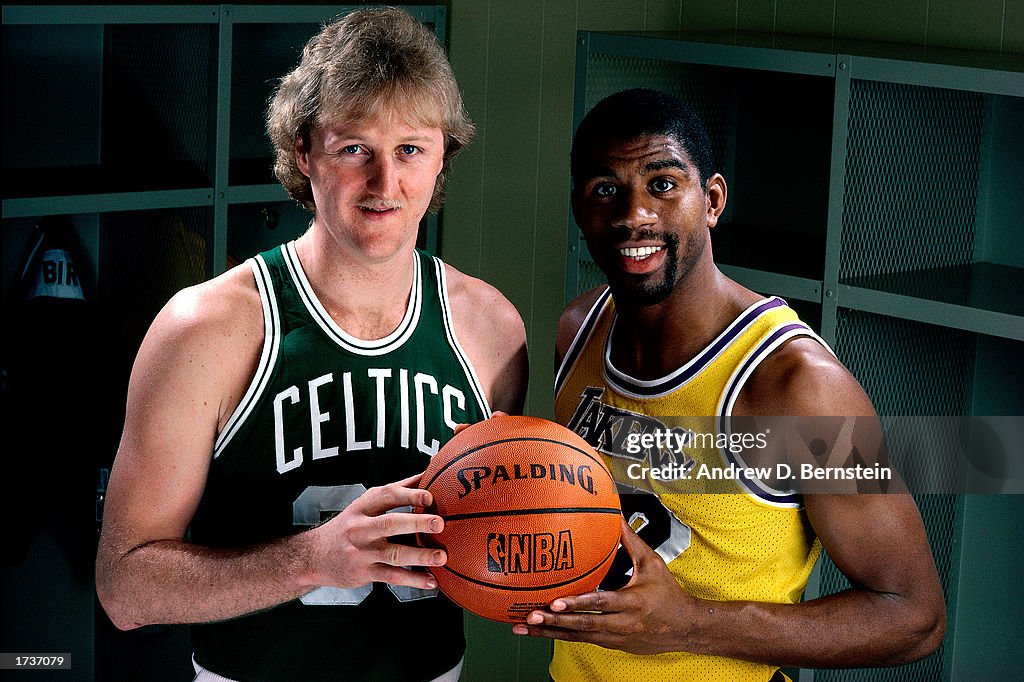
(325, 417)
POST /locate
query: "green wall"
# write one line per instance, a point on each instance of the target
(508, 203)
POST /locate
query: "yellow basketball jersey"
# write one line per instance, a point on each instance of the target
(750, 542)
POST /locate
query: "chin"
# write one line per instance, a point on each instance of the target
(386, 248)
(647, 291)
(640, 296)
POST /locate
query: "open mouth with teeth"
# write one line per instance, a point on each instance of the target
(640, 252)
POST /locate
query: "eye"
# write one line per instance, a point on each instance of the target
(409, 149)
(351, 149)
(662, 185)
(605, 190)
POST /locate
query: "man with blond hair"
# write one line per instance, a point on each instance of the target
(279, 415)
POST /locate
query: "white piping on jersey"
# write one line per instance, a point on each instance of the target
(350, 343)
(268, 356)
(578, 342)
(756, 487)
(453, 341)
(695, 365)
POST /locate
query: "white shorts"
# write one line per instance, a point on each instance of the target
(204, 675)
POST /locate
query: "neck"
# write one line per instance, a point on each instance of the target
(653, 341)
(367, 299)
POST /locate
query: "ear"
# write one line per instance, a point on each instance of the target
(302, 153)
(715, 197)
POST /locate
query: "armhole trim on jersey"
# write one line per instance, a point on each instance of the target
(268, 356)
(316, 310)
(775, 338)
(579, 341)
(453, 341)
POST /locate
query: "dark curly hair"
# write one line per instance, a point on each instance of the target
(633, 113)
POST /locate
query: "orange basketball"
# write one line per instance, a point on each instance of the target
(531, 514)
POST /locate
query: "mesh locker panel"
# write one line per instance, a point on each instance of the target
(911, 178)
(157, 95)
(148, 256)
(907, 368)
(589, 274)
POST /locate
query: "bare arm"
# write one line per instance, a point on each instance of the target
(893, 614)
(491, 332)
(192, 367)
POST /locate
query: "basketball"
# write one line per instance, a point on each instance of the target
(531, 514)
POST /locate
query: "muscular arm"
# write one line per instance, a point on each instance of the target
(894, 611)
(893, 614)
(491, 332)
(193, 365)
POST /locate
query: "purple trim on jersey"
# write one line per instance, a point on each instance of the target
(752, 360)
(581, 338)
(671, 383)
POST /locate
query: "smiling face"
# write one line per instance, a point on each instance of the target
(644, 214)
(372, 181)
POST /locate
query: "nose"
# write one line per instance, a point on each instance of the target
(382, 180)
(634, 210)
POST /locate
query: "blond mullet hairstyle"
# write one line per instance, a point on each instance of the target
(372, 60)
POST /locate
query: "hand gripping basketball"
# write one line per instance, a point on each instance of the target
(354, 548)
(530, 514)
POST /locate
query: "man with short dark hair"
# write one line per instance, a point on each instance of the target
(711, 586)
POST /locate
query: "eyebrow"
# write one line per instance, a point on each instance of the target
(663, 164)
(652, 167)
(348, 135)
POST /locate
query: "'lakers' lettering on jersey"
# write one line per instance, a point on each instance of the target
(748, 543)
(326, 417)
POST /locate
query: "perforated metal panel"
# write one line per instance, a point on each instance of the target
(589, 275)
(158, 84)
(907, 368)
(147, 257)
(911, 178)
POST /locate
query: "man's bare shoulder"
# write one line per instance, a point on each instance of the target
(480, 307)
(492, 333)
(572, 318)
(803, 378)
(193, 365)
(224, 308)
(203, 346)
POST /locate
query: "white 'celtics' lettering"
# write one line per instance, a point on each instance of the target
(450, 395)
(422, 400)
(351, 444)
(317, 418)
(421, 380)
(379, 375)
(283, 463)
